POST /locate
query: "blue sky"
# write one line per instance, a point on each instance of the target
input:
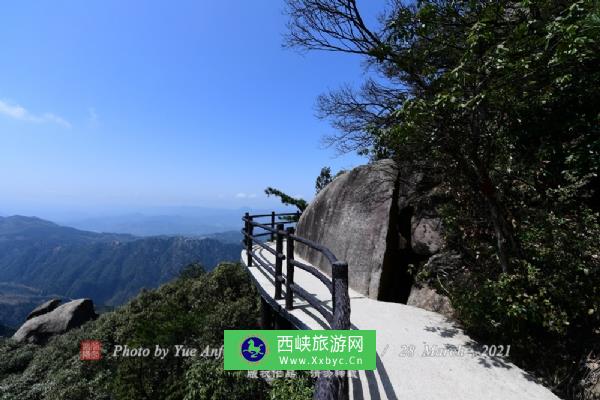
(117, 104)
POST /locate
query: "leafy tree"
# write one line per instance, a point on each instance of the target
(324, 179)
(479, 90)
(192, 271)
(500, 101)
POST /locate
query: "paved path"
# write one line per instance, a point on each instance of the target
(420, 377)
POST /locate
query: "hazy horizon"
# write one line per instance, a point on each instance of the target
(147, 221)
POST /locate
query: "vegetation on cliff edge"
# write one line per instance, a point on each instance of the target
(192, 311)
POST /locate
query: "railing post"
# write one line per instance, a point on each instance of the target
(341, 300)
(337, 387)
(278, 261)
(272, 225)
(249, 230)
(289, 293)
(246, 216)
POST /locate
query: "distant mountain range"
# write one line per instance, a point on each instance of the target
(154, 225)
(40, 259)
(186, 221)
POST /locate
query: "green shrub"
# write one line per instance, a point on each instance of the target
(548, 307)
(192, 311)
(208, 381)
(299, 388)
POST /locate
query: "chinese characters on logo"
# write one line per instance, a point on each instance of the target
(334, 343)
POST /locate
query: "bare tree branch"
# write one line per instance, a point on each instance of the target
(332, 25)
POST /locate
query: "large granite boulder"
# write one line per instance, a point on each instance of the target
(350, 216)
(44, 308)
(60, 320)
(380, 219)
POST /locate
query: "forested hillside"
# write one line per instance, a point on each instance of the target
(56, 261)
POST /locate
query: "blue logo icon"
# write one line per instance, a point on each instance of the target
(254, 349)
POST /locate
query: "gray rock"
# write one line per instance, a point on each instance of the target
(426, 236)
(60, 320)
(44, 308)
(351, 216)
(425, 297)
(380, 219)
(440, 266)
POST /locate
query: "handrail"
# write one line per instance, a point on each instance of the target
(265, 246)
(281, 221)
(337, 285)
(277, 215)
(324, 250)
(259, 234)
(263, 226)
(318, 274)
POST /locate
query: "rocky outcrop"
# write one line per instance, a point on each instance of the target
(44, 308)
(349, 216)
(426, 237)
(381, 220)
(60, 320)
(423, 296)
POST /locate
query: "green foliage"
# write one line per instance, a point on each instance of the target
(298, 388)
(500, 100)
(287, 200)
(182, 312)
(324, 179)
(192, 271)
(208, 381)
(547, 307)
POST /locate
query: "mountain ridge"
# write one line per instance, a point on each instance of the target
(52, 260)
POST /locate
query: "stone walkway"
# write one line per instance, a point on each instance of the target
(418, 351)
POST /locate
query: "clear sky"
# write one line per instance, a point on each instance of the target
(154, 103)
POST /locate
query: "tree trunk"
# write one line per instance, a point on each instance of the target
(505, 238)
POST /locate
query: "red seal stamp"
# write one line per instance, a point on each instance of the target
(90, 350)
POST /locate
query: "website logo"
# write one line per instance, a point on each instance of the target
(279, 350)
(253, 349)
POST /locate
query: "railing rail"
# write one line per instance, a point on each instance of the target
(337, 284)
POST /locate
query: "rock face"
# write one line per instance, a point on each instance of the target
(60, 320)
(44, 308)
(350, 217)
(425, 297)
(380, 220)
(426, 236)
